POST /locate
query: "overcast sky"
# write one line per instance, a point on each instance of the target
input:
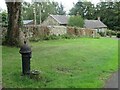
(68, 4)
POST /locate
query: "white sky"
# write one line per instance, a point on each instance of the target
(68, 4)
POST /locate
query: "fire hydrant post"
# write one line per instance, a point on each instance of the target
(25, 52)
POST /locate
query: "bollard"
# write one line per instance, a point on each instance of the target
(25, 52)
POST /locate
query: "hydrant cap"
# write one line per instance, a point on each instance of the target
(25, 49)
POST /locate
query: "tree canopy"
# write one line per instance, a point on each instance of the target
(76, 21)
(109, 12)
(3, 15)
(46, 8)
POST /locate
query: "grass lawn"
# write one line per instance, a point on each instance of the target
(72, 63)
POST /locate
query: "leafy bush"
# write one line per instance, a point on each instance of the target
(34, 39)
(97, 36)
(66, 36)
(118, 35)
(102, 34)
(110, 32)
(113, 33)
(54, 37)
(51, 37)
(76, 21)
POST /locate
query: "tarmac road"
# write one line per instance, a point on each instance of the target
(113, 81)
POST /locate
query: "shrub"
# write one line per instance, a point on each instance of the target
(76, 21)
(113, 33)
(34, 39)
(97, 36)
(54, 37)
(110, 32)
(51, 37)
(118, 35)
(102, 34)
(67, 36)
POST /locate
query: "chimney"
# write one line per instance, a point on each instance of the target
(99, 18)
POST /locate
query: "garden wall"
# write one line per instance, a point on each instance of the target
(39, 32)
(58, 30)
(81, 31)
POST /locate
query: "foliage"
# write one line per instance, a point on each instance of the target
(113, 33)
(60, 10)
(55, 37)
(67, 36)
(51, 37)
(110, 32)
(118, 35)
(102, 34)
(85, 9)
(63, 64)
(46, 9)
(4, 18)
(27, 11)
(76, 21)
(111, 12)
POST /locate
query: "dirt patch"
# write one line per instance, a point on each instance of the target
(63, 69)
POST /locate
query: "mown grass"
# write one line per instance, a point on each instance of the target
(0, 66)
(73, 63)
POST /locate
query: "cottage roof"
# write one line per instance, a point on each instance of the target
(61, 19)
(27, 21)
(94, 24)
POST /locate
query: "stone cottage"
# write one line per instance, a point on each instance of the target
(56, 20)
(97, 25)
(62, 20)
(58, 23)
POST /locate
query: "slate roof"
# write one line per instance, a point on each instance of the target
(61, 19)
(27, 21)
(93, 24)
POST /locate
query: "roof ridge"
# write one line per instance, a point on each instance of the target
(55, 18)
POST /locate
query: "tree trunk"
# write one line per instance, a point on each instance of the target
(14, 23)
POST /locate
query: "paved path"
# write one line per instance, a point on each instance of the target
(113, 81)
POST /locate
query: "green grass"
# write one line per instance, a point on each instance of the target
(0, 66)
(73, 63)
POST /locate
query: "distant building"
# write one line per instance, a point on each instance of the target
(96, 25)
(28, 22)
(56, 20)
(62, 20)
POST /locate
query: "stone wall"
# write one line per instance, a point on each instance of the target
(81, 31)
(37, 32)
(57, 30)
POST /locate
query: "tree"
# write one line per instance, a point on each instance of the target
(60, 10)
(85, 9)
(3, 15)
(27, 11)
(14, 14)
(76, 21)
(45, 8)
(111, 14)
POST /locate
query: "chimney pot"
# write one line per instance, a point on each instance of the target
(98, 18)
